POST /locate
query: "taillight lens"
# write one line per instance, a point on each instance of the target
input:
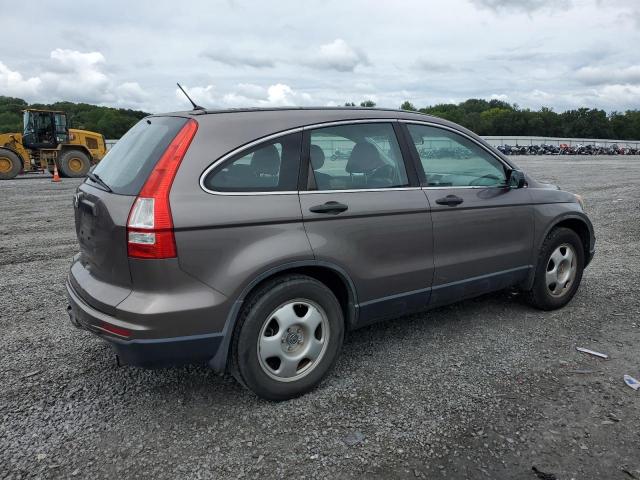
(150, 225)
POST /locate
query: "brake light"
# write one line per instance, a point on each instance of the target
(150, 225)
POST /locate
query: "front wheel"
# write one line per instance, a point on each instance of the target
(559, 270)
(74, 164)
(288, 337)
(10, 164)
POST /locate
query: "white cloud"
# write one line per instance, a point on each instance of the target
(131, 93)
(283, 95)
(339, 55)
(14, 84)
(75, 76)
(203, 96)
(239, 59)
(466, 49)
(78, 75)
(600, 75)
(245, 95)
(523, 5)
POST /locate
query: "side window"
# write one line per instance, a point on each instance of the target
(358, 156)
(451, 160)
(269, 167)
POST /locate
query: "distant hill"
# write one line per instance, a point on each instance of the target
(110, 122)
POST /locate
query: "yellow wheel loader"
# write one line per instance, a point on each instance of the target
(46, 139)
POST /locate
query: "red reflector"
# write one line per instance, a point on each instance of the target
(121, 332)
(153, 237)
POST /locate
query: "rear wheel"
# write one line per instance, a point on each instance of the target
(10, 164)
(559, 270)
(74, 163)
(288, 337)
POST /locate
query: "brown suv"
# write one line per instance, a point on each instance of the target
(254, 239)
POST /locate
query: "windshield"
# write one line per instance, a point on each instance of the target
(127, 165)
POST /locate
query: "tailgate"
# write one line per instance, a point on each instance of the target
(101, 275)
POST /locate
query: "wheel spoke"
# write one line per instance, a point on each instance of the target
(286, 316)
(552, 276)
(270, 347)
(557, 257)
(313, 318)
(569, 255)
(313, 349)
(288, 367)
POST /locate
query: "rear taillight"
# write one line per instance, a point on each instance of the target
(150, 226)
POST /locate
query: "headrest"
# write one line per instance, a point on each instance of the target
(364, 158)
(266, 160)
(317, 157)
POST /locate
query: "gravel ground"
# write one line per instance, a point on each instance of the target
(487, 388)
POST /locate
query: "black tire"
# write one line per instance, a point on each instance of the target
(73, 164)
(540, 295)
(10, 164)
(245, 364)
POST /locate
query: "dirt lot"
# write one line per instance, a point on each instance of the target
(487, 388)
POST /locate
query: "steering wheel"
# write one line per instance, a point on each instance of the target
(478, 181)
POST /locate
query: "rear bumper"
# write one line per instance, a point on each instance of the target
(142, 352)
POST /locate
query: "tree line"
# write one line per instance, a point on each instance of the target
(485, 117)
(496, 117)
(110, 122)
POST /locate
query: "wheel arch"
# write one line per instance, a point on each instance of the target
(70, 147)
(333, 276)
(580, 224)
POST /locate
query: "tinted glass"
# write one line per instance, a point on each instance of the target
(127, 165)
(269, 167)
(451, 160)
(358, 156)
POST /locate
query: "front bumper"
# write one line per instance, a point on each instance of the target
(142, 352)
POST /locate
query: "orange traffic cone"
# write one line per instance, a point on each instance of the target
(56, 177)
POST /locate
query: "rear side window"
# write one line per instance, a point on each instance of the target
(269, 167)
(127, 165)
(358, 156)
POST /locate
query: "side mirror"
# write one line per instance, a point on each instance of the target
(517, 179)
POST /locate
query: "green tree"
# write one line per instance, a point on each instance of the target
(111, 122)
(368, 104)
(407, 105)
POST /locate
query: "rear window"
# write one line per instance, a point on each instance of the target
(127, 165)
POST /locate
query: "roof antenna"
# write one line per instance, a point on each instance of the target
(195, 106)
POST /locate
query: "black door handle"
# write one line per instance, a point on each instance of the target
(329, 207)
(451, 200)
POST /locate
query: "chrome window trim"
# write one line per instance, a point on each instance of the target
(465, 187)
(252, 144)
(241, 149)
(356, 190)
(468, 137)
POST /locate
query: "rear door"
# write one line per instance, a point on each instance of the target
(365, 214)
(101, 274)
(245, 220)
(482, 228)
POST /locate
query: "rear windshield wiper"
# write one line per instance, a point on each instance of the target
(95, 178)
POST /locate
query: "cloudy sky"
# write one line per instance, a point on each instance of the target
(229, 53)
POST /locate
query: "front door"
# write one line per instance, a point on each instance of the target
(483, 228)
(366, 214)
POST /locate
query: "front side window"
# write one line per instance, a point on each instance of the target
(269, 167)
(451, 160)
(358, 156)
